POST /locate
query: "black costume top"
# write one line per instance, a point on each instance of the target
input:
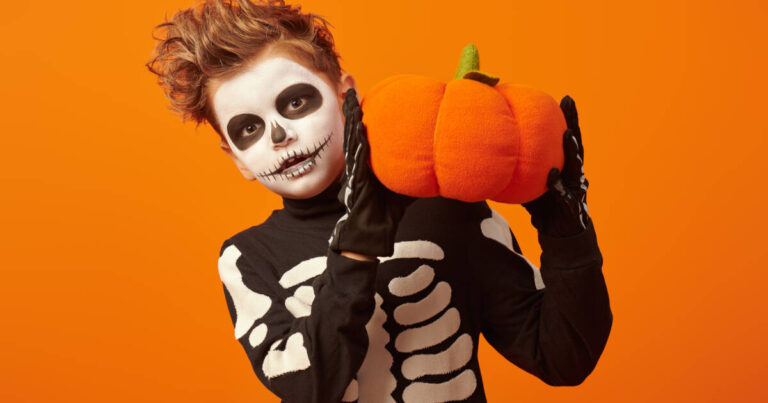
(321, 327)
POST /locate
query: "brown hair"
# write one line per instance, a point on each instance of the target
(216, 38)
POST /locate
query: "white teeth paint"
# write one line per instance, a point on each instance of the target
(298, 170)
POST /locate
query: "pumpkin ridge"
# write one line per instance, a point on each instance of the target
(519, 147)
(434, 139)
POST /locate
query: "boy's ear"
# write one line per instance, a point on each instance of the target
(347, 82)
(247, 174)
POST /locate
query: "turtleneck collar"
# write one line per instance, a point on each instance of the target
(320, 208)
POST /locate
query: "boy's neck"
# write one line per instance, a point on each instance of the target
(326, 203)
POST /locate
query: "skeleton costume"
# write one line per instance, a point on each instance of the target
(320, 327)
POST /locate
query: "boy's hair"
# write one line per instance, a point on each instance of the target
(216, 38)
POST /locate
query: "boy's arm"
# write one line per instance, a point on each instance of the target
(558, 332)
(307, 349)
(555, 330)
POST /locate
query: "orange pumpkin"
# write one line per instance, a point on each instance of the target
(468, 139)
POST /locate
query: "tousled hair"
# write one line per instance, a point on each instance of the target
(216, 39)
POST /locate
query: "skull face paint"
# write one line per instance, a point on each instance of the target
(283, 122)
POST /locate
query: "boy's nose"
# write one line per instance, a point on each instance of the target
(278, 134)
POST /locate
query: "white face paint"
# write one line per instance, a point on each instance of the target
(284, 124)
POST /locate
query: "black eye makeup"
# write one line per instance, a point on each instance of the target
(298, 100)
(245, 129)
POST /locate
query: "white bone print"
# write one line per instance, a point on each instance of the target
(293, 358)
(497, 228)
(445, 326)
(351, 393)
(300, 304)
(431, 305)
(249, 306)
(429, 335)
(257, 335)
(459, 387)
(451, 359)
(374, 374)
(303, 271)
(412, 283)
(415, 249)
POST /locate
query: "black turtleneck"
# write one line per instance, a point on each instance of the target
(320, 327)
(318, 212)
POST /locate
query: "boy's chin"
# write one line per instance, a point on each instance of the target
(302, 187)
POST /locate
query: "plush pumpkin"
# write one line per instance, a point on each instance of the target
(469, 139)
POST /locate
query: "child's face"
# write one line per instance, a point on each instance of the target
(283, 124)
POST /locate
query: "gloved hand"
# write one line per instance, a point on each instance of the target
(562, 210)
(373, 211)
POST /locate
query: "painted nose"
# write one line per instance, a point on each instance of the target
(278, 133)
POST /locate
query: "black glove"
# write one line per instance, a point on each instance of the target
(562, 210)
(373, 211)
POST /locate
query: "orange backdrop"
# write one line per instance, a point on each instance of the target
(113, 211)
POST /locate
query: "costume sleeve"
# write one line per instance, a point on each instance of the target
(305, 347)
(553, 322)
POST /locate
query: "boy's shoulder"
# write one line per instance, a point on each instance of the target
(250, 237)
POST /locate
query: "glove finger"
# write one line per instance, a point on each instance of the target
(362, 153)
(347, 133)
(571, 218)
(568, 106)
(350, 138)
(552, 177)
(572, 168)
(357, 157)
(350, 100)
(555, 184)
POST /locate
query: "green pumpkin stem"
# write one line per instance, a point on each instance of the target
(469, 67)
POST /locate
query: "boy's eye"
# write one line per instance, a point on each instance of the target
(251, 129)
(298, 100)
(245, 130)
(296, 103)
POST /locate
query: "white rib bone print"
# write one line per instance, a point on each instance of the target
(459, 387)
(447, 324)
(497, 228)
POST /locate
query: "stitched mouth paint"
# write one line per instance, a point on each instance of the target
(295, 164)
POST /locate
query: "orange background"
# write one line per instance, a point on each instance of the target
(113, 211)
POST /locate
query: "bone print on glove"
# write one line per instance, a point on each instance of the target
(373, 211)
(562, 210)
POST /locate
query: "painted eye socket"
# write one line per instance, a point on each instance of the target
(298, 100)
(245, 129)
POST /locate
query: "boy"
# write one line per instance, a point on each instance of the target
(352, 292)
